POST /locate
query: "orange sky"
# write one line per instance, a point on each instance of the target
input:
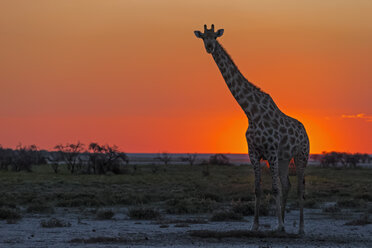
(132, 73)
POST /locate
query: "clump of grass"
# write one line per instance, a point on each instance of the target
(39, 208)
(247, 208)
(105, 214)
(331, 209)
(189, 206)
(54, 222)
(311, 203)
(364, 196)
(9, 214)
(78, 202)
(182, 225)
(362, 221)
(142, 213)
(96, 240)
(350, 203)
(226, 216)
(240, 234)
(186, 221)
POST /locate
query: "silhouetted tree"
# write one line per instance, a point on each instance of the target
(219, 159)
(70, 154)
(55, 159)
(6, 157)
(190, 158)
(164, 157)
(24, 157)
(104, 158)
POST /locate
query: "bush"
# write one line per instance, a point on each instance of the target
(350, 203)
(143, 213)
(105, 214)
(219, 159)
(53, 222)
(39, 208)
(189, 206)
(331, 209)
(247, 208)
(9, 214)
(226, 216)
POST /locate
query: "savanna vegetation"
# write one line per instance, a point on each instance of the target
(227, 191)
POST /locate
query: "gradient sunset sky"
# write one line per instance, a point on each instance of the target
(132, 73)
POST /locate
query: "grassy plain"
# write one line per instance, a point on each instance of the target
(176, 188)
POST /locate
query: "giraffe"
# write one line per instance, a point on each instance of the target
(271, 135)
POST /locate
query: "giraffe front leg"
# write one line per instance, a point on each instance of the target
(274, 167)
(257, 192)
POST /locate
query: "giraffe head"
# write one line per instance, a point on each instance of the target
(209, 37)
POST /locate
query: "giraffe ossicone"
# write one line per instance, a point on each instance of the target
(271, 135)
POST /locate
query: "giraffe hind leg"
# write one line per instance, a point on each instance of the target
(286, 185)
(300, 163)
(257, 191)
(274, 167)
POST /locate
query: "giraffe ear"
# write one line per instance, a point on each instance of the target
(198, 34)
(219, 33)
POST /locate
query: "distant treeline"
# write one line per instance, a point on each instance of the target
(328, 159)
(101, 159)
(93, 159)
(81, 159)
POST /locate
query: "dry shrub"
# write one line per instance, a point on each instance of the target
(105, 214)
(226, 216)
(9, 214)
(53, 222)
(143, 213)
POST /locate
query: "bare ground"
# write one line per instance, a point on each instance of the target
(322, 230)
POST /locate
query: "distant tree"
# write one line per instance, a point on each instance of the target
(330, 159)
(70, 154)
(164, 157)
(352, 160)
(24, 157)
(6, 157)
(365, 158)
(55, 159)
(190, 158)
(104, 158)
(219, 159)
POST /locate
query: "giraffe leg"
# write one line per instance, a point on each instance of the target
(274, 167)
(286, 185)
(257, 192)
(300, 169)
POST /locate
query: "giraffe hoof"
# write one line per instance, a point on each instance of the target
(280, 229)
(254, 227)
(301, 232)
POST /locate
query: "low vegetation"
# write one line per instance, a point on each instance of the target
(240, 234)
(180, 189)
(226, 216)
(9, 214)
(105, 214)
(143, 213)
(104, 240)
(39, 208)
(53, 222)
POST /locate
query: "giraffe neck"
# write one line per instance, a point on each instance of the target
(245, 93)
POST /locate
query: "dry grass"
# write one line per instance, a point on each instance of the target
(53, 222)
(9, 214)
(240, 234)
(105, 214)
(105, 240)
(143, 213)
(226, 216)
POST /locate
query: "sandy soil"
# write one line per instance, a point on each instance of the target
(322, 230)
